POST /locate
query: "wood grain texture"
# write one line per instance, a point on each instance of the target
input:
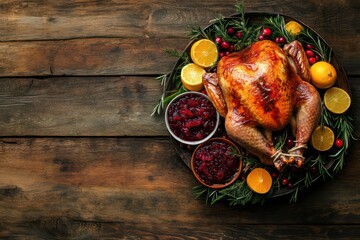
(136, 36)
(102, 180)
(80, 156)
(112, 106)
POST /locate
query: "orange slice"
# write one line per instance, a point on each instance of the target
(293, 27)
(259, 180)
(337, 100)
(322, 139)
(204, 53)
(323, 74)
(191, 77)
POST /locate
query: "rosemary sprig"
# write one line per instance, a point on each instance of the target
(178, 88)
(278, 25)
(321, 48)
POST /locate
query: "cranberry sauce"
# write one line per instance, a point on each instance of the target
(215, 162)
(192, 117)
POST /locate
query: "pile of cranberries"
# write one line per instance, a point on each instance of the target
(192, 117)
(227, 47)
(215, 163)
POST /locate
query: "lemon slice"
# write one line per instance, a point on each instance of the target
(259, 180)
(204, 53)
(191, 77)
(322, 139)
(337, 100)
(293, 27)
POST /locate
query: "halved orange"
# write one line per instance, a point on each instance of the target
(259, 180)
(191, 77)
(337, 100)
(322, 139)
(204, 53)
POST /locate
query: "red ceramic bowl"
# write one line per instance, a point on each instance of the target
(214, 163)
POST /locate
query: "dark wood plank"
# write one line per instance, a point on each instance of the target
(130, 40)
(62, 227)
(112, 106)
(90, 106)
(129, 180)
(88, 57)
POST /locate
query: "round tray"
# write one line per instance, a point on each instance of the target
(257, 18)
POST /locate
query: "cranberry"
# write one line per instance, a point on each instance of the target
(225, 45)
(310, 53)
(282, 40)
(218, 40)
(261, 37)
(309, 46)
(230, 31)
(290, 185)
(339, 143)
(227, 53)
(317, 57)
(284, 181)
(313, 169)
(277, 40)
(214, 163)
(274, 175)
(290, 143)
(221, 54)
(312, 60)
(239, 34)
(266, 32)
(232, 48)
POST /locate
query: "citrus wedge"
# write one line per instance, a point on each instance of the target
(322, 139)
(293, 27)
(259, 180)
(337, 100)
(204, 53)
(323, 75)
(191, 77)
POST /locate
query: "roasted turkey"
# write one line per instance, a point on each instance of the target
(262, 89)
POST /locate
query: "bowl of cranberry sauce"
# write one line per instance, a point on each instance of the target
(216, 163)
(191, 118)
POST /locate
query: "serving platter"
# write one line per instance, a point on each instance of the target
(257, 18)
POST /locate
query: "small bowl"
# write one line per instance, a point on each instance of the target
(208, 159)
(193, 124)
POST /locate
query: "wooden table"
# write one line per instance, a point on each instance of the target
(80, 156)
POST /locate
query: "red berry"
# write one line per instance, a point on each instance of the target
(261, 37)
(309, 46)
(221, 54)
(218, 40)
(317, 57)
(284, 181)
(290, 142)
(225, 45)
(230, 31)
(312, 60)
(277, 40)
(266, 32)
(231, 48)
(290, 185)
(310, 53)
(239, 34)
(282, 40)
(227, 53)
(274, 174)
(339, 143)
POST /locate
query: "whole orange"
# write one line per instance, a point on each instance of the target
(323, 74)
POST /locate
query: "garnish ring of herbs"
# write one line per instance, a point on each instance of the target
(326, 163)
